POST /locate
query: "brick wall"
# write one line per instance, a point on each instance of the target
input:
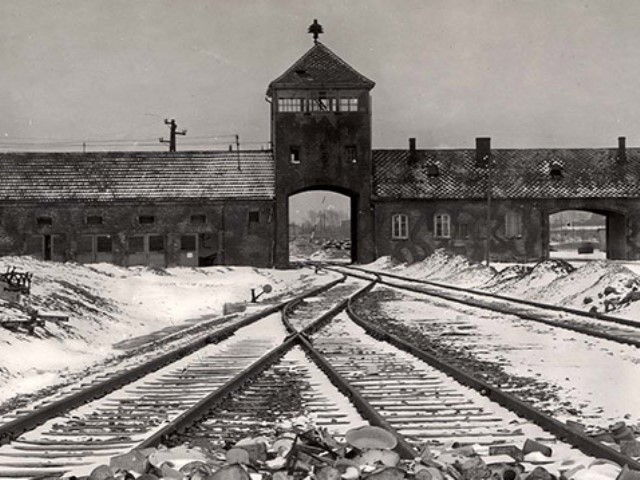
(232, 233)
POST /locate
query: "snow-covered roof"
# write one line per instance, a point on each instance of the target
(136, 176)
(319, 68)
(516, 173)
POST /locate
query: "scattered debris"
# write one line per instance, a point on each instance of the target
(306, 452)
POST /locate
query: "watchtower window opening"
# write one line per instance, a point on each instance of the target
(146, 219)
(254, 216)
(348, 104)
(294, 155)
(322, 104)
(290, 104)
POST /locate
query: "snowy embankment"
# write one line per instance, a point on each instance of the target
(600, 286)
(109, 305)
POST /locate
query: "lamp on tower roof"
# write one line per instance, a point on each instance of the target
(315, 29)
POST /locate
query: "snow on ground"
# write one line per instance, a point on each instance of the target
(597, 379)
(598, 285)
(108, 304)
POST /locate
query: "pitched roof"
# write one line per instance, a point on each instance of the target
(320, 67)
(138, 176)
(515, 174)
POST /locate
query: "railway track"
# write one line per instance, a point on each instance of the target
(617, 329)
(282, 368)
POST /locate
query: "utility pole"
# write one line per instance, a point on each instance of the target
(172, 135)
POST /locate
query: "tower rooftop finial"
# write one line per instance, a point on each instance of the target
(316, 29)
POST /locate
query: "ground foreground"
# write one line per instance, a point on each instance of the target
(112, 310)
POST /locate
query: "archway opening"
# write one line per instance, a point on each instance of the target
(579, 235)
(321, 227)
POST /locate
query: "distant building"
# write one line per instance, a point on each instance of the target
(205, 208)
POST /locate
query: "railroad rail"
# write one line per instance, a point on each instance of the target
(218, 391)
(608, 327)
(55, 438)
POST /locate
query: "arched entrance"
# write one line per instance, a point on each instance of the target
(320, 226)
(586, 234)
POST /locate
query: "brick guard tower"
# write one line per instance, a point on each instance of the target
(321, 135)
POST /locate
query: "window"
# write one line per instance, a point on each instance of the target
(513, 224)
(94, 220)
(198, 219)
(43, 221)
(348, 104)
(399, 227)
(146, 219)
(254, 216)
(136, 244)
(555, 170)
(290, 104)
(188, 243)
(294, 155)
(432, 170)
(463, 230)
(104, 244)
(442, 225)
(322, 104)
(156, 243)
(351, 154)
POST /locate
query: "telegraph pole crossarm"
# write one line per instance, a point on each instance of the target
(173, 131)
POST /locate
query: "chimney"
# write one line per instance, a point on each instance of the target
(622, 148)
(483, 151)
(412, 151)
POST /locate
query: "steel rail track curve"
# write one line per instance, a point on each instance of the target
(566, 324)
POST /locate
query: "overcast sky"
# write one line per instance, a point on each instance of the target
(527, 73)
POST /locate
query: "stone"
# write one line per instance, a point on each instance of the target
(535, 446)
(540, 473)
(230, 472)
(327, 473)
(630, 448)
(102, 472)
(257, 450)
(135, 460)
(238, 455)
(387, 473)
(511, 450)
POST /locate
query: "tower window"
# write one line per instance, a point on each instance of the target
(294, 155)
(399, 227)
(146, 219)
(351, 154)
(104, 244)
(290, 104)
(348, 104)
(254, 216)
(442, 225)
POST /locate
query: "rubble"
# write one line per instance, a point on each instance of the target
(307, 453)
